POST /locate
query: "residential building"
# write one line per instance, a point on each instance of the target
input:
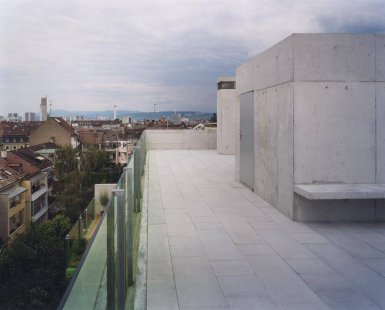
(14, 203)
(14, 135)
(46, 150)
(24, 190)
(95, 123)
(14, 141)
(37, 173)
(109, 136)
(55, 130)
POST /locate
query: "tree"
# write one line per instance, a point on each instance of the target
(32, 267)
(103, 198)
(76, 173)
(65, 162)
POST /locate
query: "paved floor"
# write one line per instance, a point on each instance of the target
(213, 244)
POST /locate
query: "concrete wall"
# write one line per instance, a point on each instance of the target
(237, 138)
(319, 118)
(273, 134)
(182, 139)
(226, 119)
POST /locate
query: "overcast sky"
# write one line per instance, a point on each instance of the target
(91, 55)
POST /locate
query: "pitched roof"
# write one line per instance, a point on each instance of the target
(88, 137)
(8, 176)
(20, 165)
(44, 146)
(26, 155)
(97, 123)
(67, 127)
(18, 128)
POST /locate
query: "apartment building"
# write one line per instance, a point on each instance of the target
(38, 181)
(14, 135)
(14, 202)
(113, 140)
(24, 189)
(55, 130)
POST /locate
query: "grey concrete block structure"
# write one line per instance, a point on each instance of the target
(319, 118)
(227, 107)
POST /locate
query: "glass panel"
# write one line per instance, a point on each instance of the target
(89, 286)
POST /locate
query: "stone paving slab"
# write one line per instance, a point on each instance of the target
(214, 244)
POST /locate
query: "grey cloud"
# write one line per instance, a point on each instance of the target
(357, 26)
(92, 54)
(355, 17)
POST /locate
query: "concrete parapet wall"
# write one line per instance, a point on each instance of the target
(182, 139)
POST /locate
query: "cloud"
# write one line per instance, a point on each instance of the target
(362, 17)
(94, 54)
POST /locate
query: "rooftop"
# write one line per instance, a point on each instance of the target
(29, 157)
(43, 146)
(212, 243)
(66, 126)
(8, 176)
(208, 242)
(18, 128)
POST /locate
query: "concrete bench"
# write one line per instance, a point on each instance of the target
(340, 191)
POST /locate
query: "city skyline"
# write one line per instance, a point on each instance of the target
(94, 54)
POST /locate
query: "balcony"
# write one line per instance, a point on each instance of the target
(206, 241)
(35, 188)
(15, 203)
(39, 212)
(38, 193)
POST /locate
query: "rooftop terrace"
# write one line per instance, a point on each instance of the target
(214, 244)
(208, 242)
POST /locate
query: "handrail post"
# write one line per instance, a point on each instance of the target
(137, 178)
(111, 255)
(129, 229)
(80, 235)
(121, 248)
(67, 250)
(85, 219)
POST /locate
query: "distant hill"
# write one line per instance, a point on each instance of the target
(138, 115)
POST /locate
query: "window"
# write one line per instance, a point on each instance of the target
(15, 221)
(35, 186)
(226, 85)
(6, 139)
(21, 140)
(14, 147)
(7, 148)
(38, 204)
(14, 201)
(14, 139)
